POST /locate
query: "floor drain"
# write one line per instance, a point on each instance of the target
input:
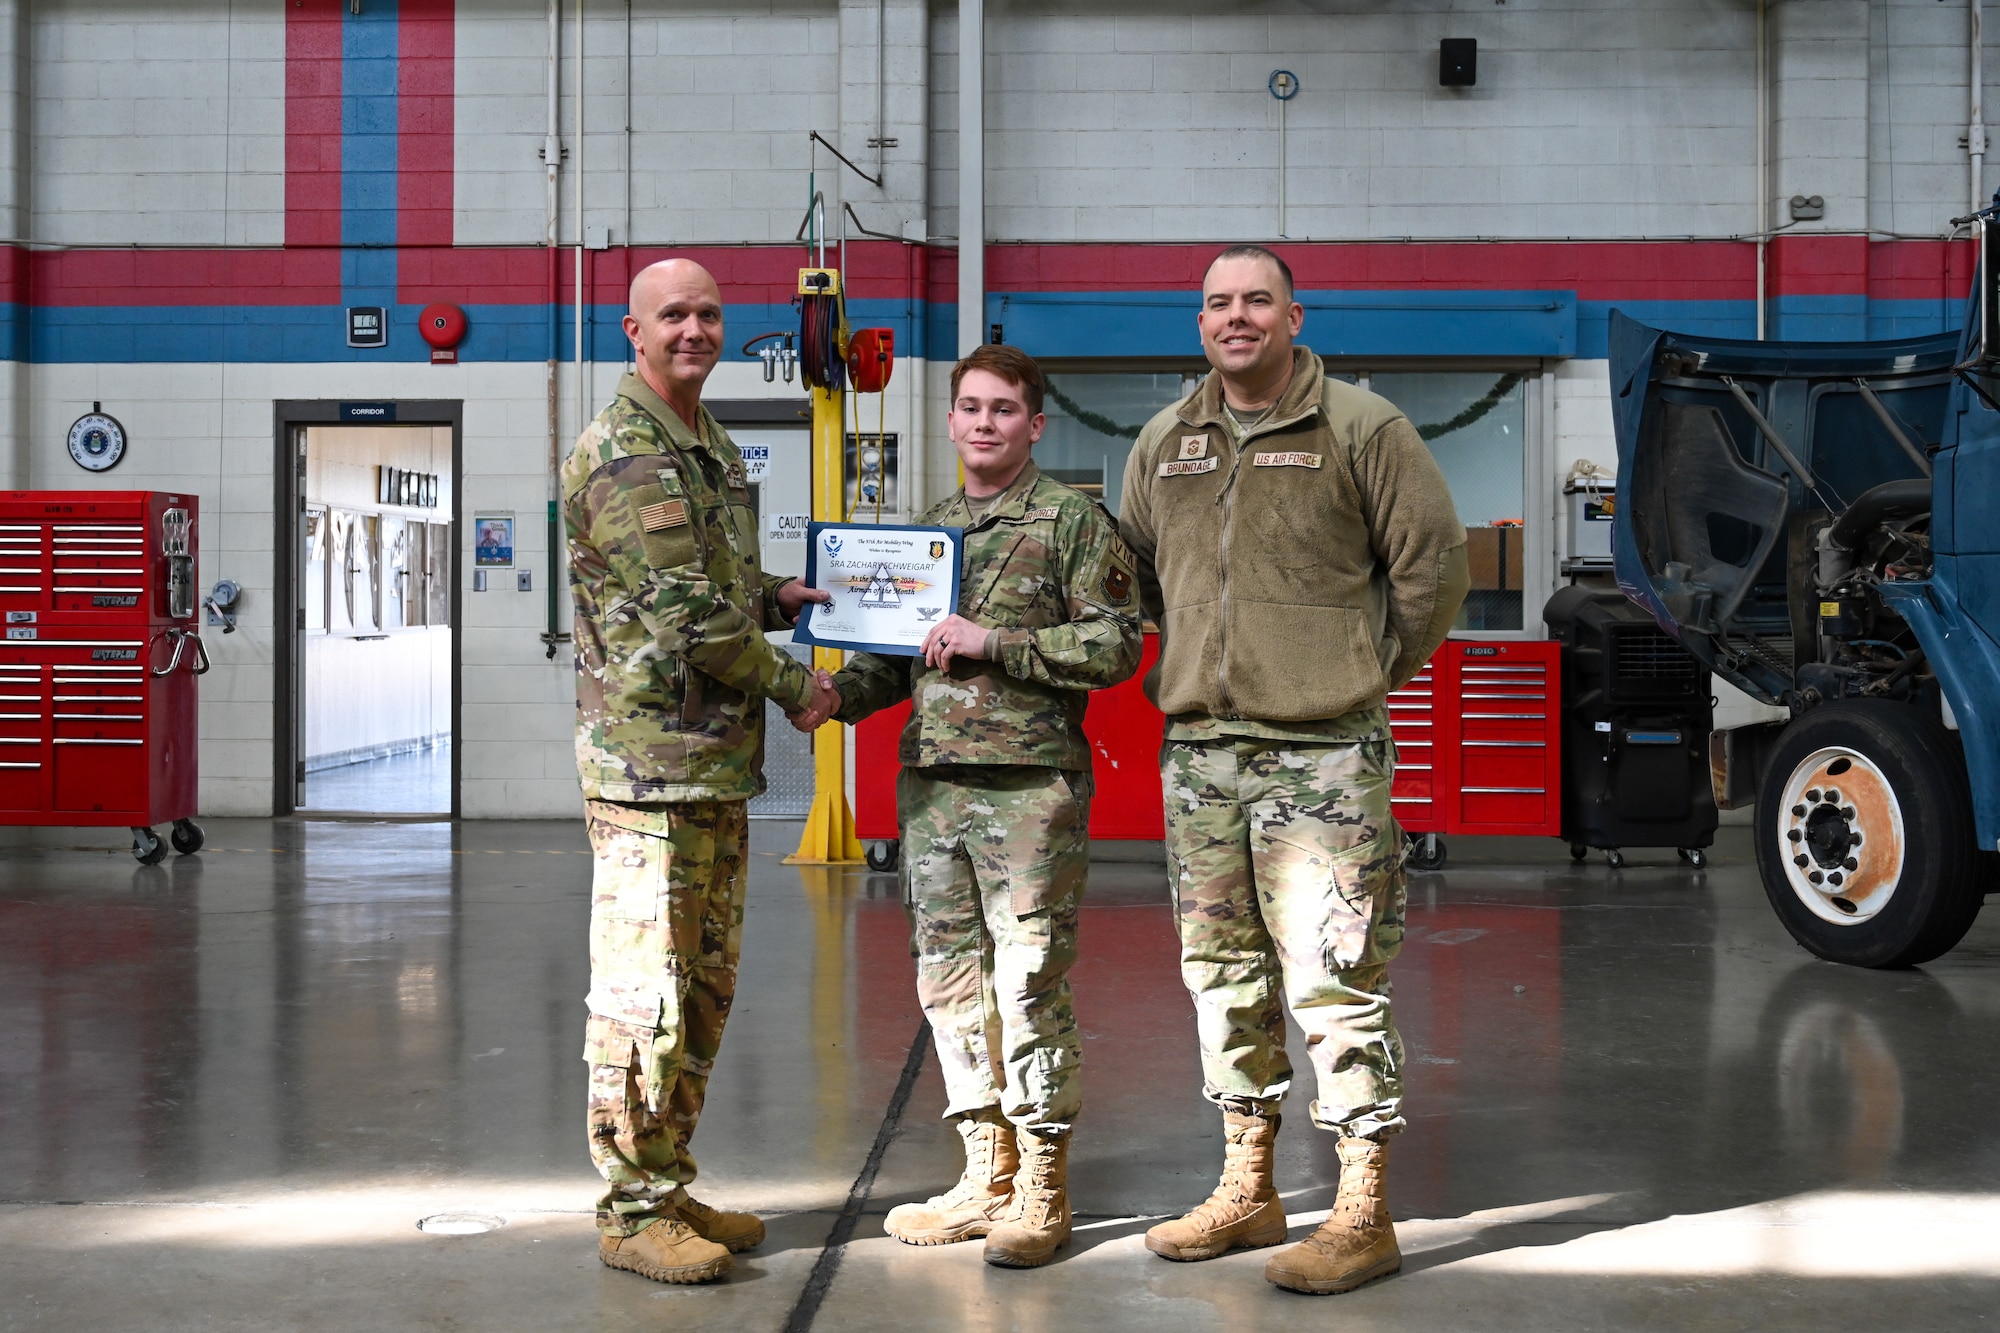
(459, 1224)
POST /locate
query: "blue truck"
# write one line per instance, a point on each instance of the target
(1819, 524)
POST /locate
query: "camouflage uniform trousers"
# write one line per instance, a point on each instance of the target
(1286, 865)
(666, 926)
(994, 863)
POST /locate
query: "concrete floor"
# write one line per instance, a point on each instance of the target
(415, 783)
(231, 1085)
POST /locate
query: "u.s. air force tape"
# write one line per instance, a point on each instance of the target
(1287, 460)
(666, 514)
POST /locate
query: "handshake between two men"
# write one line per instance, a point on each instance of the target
(954, 637)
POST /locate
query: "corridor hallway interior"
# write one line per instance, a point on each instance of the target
(232, 1085)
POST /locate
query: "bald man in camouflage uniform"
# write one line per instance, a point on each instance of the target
(672, 673)
(994, 804)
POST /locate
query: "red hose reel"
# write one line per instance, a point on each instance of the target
(871, 357)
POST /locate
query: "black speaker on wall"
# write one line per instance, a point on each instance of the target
(1458, 62)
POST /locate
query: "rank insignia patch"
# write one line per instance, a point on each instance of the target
(1193, 446)
(666, 514)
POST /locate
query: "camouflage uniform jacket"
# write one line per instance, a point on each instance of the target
(671, 604)
(1045, 570)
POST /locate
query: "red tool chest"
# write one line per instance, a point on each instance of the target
(1478, 742)
(98, 705)
(1124, 730)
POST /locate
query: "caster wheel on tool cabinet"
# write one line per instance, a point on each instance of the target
(1615, 859)
(885, 854)
(147, 847)
(1695, 857)
(187, 837)
(1424, 851)
(1577, 851)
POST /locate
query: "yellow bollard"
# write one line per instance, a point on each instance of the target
(829, 837)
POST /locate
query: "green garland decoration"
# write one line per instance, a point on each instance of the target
(1097, 421)
(1501, 388)
(1104, 425)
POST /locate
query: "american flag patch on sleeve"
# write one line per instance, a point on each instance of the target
(666, 514)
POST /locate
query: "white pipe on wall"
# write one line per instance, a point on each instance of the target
(971, 175)
(576, 173)
(1763, 165)
(552, 161)
(1975, 128)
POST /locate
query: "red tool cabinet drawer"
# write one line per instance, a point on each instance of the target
(98, 701)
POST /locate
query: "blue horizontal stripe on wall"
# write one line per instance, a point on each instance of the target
(1424, 323)
(1077, 326)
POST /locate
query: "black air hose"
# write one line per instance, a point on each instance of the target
(1892, 499)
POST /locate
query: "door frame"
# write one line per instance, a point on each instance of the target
(290, 415)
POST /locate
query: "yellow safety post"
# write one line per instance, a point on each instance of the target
(829, 837)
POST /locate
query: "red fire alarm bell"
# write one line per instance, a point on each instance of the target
(871, 356)
(443, 327)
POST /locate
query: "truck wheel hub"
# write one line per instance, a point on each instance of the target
(1840, 836)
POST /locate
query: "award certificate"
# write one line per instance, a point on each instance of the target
(891, 585)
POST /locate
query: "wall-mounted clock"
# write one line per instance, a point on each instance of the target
(96, 441)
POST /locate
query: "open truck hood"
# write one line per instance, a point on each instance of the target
(1714, 523)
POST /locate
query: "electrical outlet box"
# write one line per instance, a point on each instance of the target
(819, 282)
(524, 580)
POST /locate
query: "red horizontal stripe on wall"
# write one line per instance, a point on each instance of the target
(882, 270)
(425, 93)
(1818, 265)
(185, 277)
(762, 274)
(14, 275)
(312, 122)
(1921, 270)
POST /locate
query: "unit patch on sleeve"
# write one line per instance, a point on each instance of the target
(1193, 446)
(1287, 460)
(666, 514)
(1188, 466)
(1117, 586)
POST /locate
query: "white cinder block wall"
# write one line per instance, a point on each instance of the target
(163, 125)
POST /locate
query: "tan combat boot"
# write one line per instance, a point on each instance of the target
(1036, 1224)
(1357, 1242)
(667, 1251)
(973, 1206)
(1244, 1211)
(735, 1232)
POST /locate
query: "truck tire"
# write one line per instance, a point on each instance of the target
(1865, 834)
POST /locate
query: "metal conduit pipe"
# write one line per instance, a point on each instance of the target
(552, 160)
(971, 175)
(1763, 167)
(1975, 126)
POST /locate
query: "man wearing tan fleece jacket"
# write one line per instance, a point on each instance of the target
(1299, 549)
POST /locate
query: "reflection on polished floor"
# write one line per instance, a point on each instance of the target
(417, 782)
(231, 1085)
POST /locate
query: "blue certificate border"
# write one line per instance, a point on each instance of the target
(804, 634)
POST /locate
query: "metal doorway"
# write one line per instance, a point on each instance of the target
(366, 572)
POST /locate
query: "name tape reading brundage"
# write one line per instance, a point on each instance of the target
(891, 585)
